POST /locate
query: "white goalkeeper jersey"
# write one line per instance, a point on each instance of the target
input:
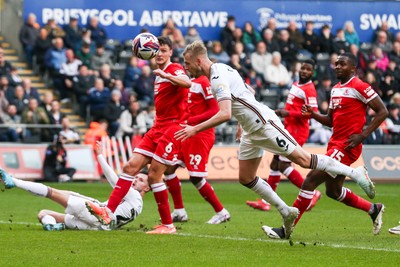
(226, 83)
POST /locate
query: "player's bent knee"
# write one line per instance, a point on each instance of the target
(332, 194)
(41, 214)
(195, 180)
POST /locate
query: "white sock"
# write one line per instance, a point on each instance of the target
(264, 190)
(328, 164)
(47, 219)
(35, 188)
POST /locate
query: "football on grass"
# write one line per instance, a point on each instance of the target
(145, 46)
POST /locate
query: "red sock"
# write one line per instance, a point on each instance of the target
(120, 190)
(302, 202)
(352, 200)
(207, 192)
(294, 176)
(174, 187)
(161, 197)
(273, 179)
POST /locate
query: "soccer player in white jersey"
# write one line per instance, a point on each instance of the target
(262, 130)
(76, 215)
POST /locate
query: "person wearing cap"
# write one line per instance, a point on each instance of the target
(73, 33)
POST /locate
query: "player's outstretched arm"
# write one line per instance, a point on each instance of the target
(181, 80)
(111, 176)
(224, 114)
(326, 120)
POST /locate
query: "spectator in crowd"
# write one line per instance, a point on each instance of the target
(371, 67)
(383, 42)
(6, 89)
(324, 90)
(273, 26)
(218, 54)
(385, 28)
(255, 82)
(227, 35)
(55, 162)
(243, 57)
(260, 59)
(174, 34)
(54, 30)
(42, 44)
(132, 121)
(144, 87)
(361, 60)
(192, 35)
(7, 134)
(113, 111)
(107, 76)
(381, 59)
(311, 40)
(276, 75)
(73, 33)
(288, 49)
(56, 116)
(99, 96)
(11, 119)
(85, 55)
(30, 92)
(250, 37)
(96, 131)
(295, 34)
(98, 33)
(71, 137)
(132, 73)
(3, 102)
(326, 41)
(54, 59)
(395, 99)
(393, 123)
(294, 71)
(14, 78)
(5, 66)
(33, 114)
(82, 84)
(341, 43)
(371, 79)
(388, 87)
(28, 35)
(350, 33)
(68, 71)
(395, 53)
(394, 71)
(19, 100)
(270, 41)
(101, 57)
(125, 92)
(235, 64)
(48, 98)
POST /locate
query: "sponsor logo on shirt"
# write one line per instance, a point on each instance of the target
(369, 91)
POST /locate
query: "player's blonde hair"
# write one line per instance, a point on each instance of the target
(196, 48)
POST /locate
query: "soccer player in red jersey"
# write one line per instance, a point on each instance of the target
(158, 146)
(195, 152)
(347, 116)
(302, 93)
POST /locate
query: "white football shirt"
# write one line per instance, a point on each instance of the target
(226, 83)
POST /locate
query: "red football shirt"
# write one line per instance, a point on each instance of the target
(170, 100)
(349, 103)
(199, 95)
(297, 124)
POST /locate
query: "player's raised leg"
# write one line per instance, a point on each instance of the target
(327, 164)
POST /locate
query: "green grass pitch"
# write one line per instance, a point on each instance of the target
(332, 234)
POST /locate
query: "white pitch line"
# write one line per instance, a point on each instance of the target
(341, 246)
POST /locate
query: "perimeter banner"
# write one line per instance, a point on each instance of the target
(124, 19)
